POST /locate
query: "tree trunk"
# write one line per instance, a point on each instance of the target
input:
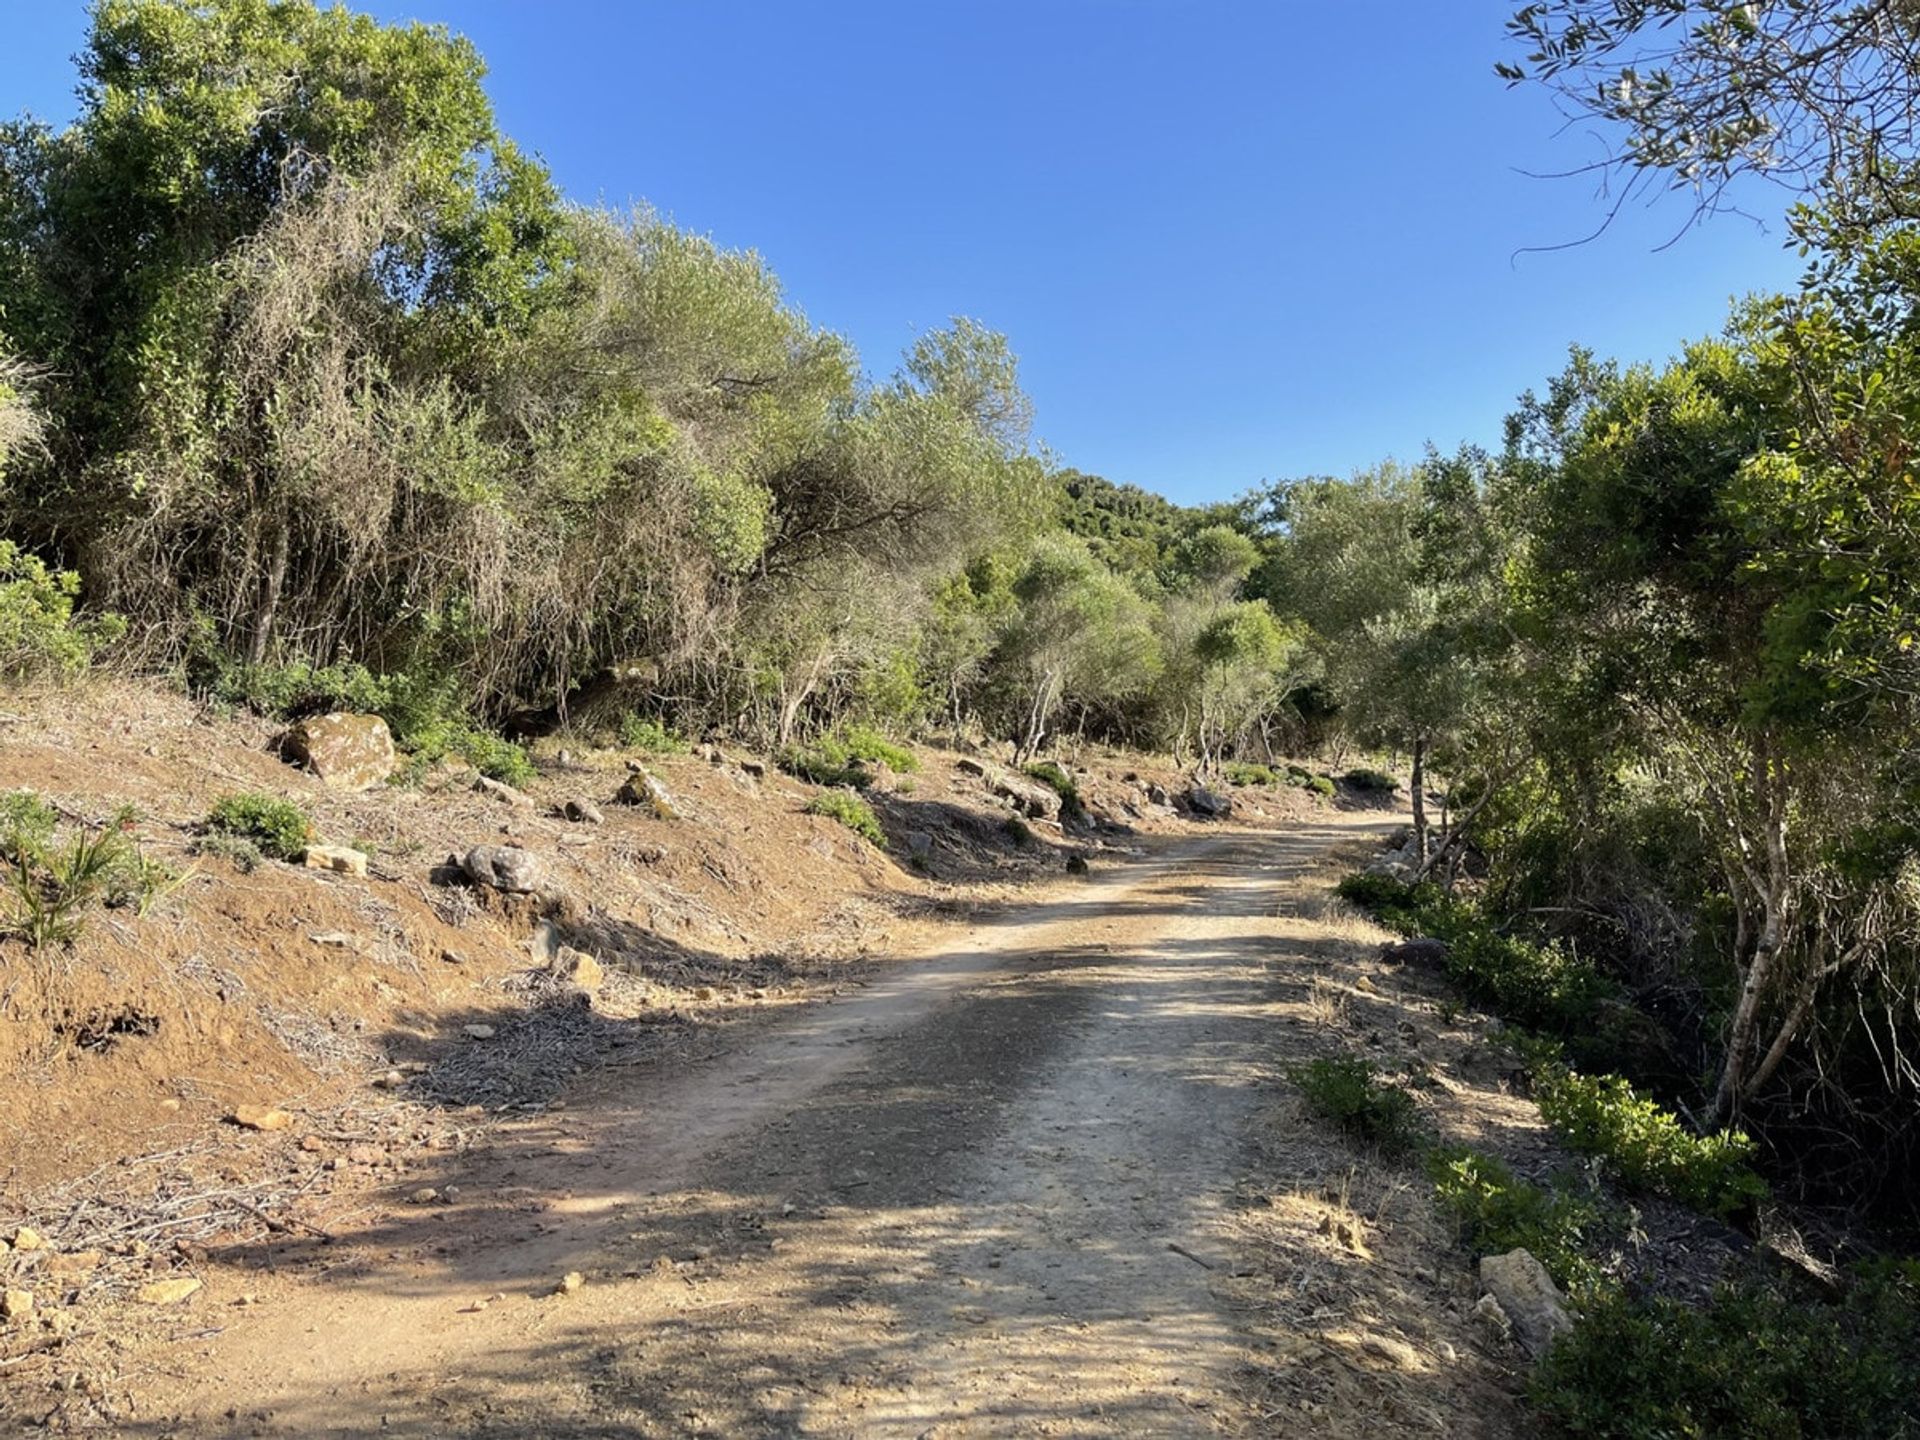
(1418, 784)
(1771, 889)
(267, 613)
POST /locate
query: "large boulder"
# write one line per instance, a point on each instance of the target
(1042, 802)
(1528, 1297)
(1209, 804)
(504, 867)
(346, 752)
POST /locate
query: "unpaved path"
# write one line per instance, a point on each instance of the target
(948, 1205)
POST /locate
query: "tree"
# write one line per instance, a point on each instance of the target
(1823, 95)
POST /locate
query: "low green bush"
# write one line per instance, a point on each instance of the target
(1372, 782)
(27, 821)
(1752, 1363)
(1646, 1146)
(278, 827)
(1321, 786)
(1054, 776)
(40, 636)
(851, 811)
(1348, 1095)
(492, 755)
(827, 761)
(1018, 831)
(865, 743)
(651, 736)
(236, 850)
(1240, 772)
(1497, 1211)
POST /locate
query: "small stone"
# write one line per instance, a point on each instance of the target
(578, 968)
(73, 1262)
(570, 1282)
(1525, 1293)
(260, 1117)
(168, 1292)
(365, 1154)
(341, 859)
(425, 1195)
(16, 1304)
(504, 867)
(312, 1144)
(1077, 865)
(392, 1080)
(478, 1032)
(450, 1194)
(583, 811)
(1366, 986)
(170, 1104)
(499, 790)
(27, 1238)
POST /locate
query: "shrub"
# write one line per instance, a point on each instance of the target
(39, 636)
(867, 744)
(825, 762)
(651, 736)
(1242, 773)
(1346, 1094)
(1497, 1211)
(1321, 786)
(51, 886)
(1055, 778)
(1751, 1363)
(851, 811)
(237, 851)
(1018, 831)
(490, 754)
(278, 827)
(1646, 1146)
(26, 821)
(1372, 782)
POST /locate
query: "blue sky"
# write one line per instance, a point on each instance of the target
(1230, 241)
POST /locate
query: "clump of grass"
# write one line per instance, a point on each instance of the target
(236, 850)
(865, 743)
(1239, 772)
(1347, 1094)
(1497, 1211)
(1372, 782)
(651, 736)
(278, 828)
(851, 811)
(825, 762)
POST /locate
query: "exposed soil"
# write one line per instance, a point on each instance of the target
(1030, 1165)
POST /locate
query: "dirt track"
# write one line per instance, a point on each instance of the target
(947, 1205)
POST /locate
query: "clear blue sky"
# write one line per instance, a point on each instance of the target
(1230, 241)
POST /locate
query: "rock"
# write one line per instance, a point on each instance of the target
(919, 844)
(577, 968)
(342, 859)
(1420, 951)
(345, 752)
(505, 867)
(1041, 802)
(1525, 1293)
(73, 1262)
(312, 1144)
(478, 1032)
(168, 1292)
(569, 1282)
(967, 765)
(583, 811)
(1202, 801)
(757, 769)
(425, 1195)
(392, 1080)
(1157, 795)
(16, 1304)
(365, 1154)
(260, 1117)
(1488, 1315)
(499, 790)
(1077, 865)
(643, 789)
(27, 1238)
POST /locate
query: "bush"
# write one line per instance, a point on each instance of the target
(278, 827)
(851, 811)
(1646, 1146)
(871, 746)
(1346, 1094)
(1497, 1211)
(825, 762)
(1372, 782)
(1018, 831)
(1242, 773)
(1321, 786)
(26, 822)
(39, 636)
(50, 887)
(1751, 1363)
(1055, 778)
(651, 736)
(238, 852)
(490, 754)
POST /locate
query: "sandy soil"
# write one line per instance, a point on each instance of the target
(1023, 1184)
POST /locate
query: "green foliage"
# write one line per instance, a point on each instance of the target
(1372, 782)
(27, 821)
(651, 736)
(865, 743)
(40, 637)
(1751, 1362)
(278, 827)
(1018, 831)
(1646, 1146)
(827, 761)
(1055, 777)
(1240, 772)
(490, 754)
(851, 811)
(1320, 785)
(1346, 1093)
(1497, 1211)
(50, 887)
(236, 850)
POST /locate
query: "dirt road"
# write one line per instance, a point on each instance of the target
(986, 1195)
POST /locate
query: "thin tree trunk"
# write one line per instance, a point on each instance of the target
(1771, 890)
(1419, 785)
(267, 614)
